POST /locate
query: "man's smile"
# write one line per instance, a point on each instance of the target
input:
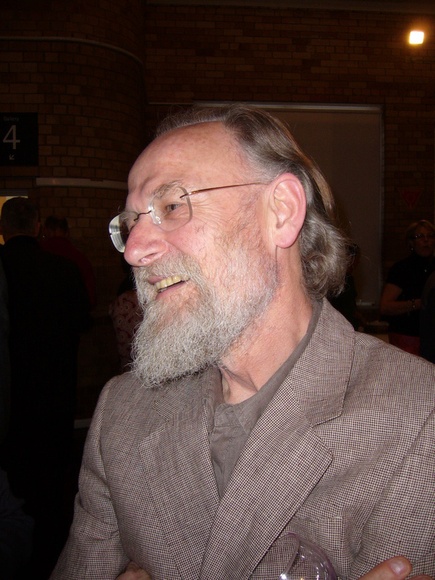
(169, 281)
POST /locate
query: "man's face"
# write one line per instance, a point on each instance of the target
(205, 284)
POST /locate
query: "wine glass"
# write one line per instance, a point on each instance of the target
(307, 561)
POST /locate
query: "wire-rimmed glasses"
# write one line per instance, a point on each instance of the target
(170, 208)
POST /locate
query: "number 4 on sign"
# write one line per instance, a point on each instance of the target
(11, 137)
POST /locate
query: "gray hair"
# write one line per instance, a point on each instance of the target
(272, 150)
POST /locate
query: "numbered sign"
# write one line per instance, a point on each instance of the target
(18, 139)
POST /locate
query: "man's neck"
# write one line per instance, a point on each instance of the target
(263, 349)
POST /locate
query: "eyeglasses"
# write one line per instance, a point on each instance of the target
(170, 208)
(423, 236)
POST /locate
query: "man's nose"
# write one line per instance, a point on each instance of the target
(146, 242)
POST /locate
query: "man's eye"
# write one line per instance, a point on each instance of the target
(172, 206)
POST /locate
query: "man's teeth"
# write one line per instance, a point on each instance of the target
(166, 282)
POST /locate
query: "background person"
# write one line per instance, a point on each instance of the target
(15, 526)
(401, 297)
(47, 308)
(56, 239)
(5, 367)
(254, 408)
(16, 529)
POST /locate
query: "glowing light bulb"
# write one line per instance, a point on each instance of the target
(416, 37)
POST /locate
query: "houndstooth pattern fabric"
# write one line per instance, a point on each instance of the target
(343, 455)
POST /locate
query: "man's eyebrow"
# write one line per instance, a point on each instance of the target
(175, 183)
(163, 188)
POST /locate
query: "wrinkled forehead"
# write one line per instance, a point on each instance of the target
(188, 154)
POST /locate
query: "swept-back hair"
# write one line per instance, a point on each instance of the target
(272, 150)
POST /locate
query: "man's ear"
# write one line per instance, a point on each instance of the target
(287, 208)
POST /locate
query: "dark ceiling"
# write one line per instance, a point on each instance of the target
(406, 6)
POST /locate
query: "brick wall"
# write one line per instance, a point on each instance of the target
(79, 67)
(82, 72)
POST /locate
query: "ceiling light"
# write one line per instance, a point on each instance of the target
(416, 37)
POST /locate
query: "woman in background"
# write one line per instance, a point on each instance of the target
(401, 297)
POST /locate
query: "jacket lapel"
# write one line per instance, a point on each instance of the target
(180, 476)
(283, 458)
(281, 463)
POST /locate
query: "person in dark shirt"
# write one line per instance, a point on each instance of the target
(5, 370)
(47, 308)
(15, 526)
(16, 529)
(401, 296)
(56, 239)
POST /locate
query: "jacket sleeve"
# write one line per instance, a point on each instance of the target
(402, 522)
(93, 550)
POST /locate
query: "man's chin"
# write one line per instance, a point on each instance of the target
(162, 313)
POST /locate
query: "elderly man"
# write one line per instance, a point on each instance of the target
(253, 408)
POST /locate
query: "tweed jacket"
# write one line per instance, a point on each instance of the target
(343, 454)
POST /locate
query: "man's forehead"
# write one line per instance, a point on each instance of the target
(186, 148)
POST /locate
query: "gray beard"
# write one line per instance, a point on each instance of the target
(170, 345)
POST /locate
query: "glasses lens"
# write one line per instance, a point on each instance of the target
(119, 230)
(171, 208)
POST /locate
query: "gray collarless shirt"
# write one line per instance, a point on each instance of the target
(229, 426)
